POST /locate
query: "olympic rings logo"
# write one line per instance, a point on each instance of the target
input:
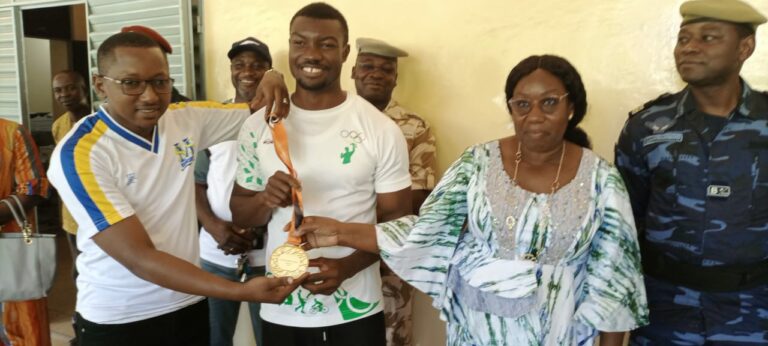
(352, 135)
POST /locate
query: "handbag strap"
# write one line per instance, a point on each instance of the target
(21, 209)
(26, 230)
(27, 226)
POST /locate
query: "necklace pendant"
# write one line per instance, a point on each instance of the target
(511, 222)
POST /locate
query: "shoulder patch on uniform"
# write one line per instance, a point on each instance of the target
(650, 103)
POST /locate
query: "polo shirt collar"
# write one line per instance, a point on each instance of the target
(128, 134)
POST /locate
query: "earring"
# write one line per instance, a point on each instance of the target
(570, 116)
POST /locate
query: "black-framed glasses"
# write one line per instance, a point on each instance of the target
(523, 106)
(137, 87)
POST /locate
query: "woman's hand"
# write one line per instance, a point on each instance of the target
(319, 231)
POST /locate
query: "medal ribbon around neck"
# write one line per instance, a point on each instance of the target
(288, 259)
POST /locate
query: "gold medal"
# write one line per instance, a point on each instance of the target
(288, 260)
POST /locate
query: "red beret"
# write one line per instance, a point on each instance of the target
(152, 34)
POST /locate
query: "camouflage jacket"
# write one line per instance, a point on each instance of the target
(699, 183)
(421, 145)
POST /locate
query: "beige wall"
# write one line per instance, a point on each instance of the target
(461, 52)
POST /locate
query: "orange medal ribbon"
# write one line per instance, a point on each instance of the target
(280, 139)
(288, 259)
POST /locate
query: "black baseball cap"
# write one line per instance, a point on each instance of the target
(250, 44)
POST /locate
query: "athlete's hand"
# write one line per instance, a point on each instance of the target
(277, 193)
(332, 273)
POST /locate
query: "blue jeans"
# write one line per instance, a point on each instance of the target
(223, 313)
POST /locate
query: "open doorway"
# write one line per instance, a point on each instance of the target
(55, 39)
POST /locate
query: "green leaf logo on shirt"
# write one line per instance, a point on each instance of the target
(351, 307)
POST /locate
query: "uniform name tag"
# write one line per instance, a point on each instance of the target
(720, 191)
(675, 137)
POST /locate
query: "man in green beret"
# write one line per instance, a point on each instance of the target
(696, 167)
(375, 75)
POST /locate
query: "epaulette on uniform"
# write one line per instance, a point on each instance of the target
(650, 103)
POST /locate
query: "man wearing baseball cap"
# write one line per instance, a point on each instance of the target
(249, 59)
(224, 250)
(696, 167)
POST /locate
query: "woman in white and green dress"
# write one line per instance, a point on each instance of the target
(526, 240)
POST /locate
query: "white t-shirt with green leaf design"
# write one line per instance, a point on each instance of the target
(344, 157)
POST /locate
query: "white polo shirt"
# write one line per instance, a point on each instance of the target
(105, 173)
(344, 156)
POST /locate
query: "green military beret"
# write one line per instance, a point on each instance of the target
(734, 11)
(378, 47)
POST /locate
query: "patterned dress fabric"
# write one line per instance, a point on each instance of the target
(586, 277)
(21, 172)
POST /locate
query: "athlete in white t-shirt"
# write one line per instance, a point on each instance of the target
(352, 163)
(124, 173)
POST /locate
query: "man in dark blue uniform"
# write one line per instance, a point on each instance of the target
(696, 166)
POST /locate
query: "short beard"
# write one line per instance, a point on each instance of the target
(318, 87)
(378, 98)
(707, 82)
(714, 80)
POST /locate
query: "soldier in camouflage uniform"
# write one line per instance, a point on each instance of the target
(696, 167)
(375, 75)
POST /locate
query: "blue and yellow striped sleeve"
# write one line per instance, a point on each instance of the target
(88, 189)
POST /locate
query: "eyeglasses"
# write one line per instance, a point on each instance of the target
(524, 106)
(137, 87)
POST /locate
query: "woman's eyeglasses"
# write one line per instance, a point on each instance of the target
(523, 106)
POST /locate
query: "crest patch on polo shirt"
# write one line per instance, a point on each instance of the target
(186, 152)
